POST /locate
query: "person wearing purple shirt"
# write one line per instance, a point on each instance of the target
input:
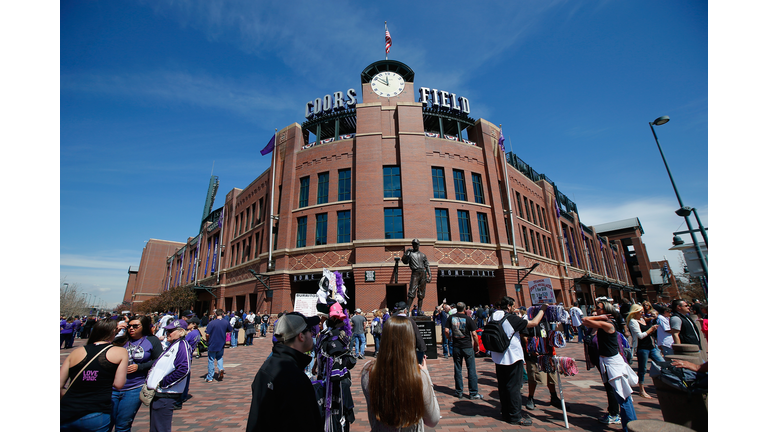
(193, 337)
(75, 330)
(143, 348)
(216, 333)
(67, 327)
(168, 376)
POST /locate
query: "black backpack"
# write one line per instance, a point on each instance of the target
(238, 323)
(494, 337)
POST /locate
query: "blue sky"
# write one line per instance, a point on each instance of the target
(155, 95)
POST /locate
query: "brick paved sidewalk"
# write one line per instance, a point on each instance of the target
(223, 406)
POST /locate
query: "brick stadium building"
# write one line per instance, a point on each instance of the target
(361, 178)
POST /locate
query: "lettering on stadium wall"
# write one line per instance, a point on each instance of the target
(328, 104)
(318, 276)
(443, 99)
(466, 273)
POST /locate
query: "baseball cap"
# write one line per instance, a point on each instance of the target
(293, 323)
(187, 313)
(358, 310)
(400, 306)
(337, 311)
(194, 320)
(176, 324)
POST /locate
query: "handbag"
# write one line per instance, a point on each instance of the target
(86, 365)
(146, 395)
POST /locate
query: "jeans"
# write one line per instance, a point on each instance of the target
(125, 405)
(359, 344)
(94, 422)
(263, 329)
(666, 350)
(567, 331)
(376, 342)
(458, 355)
(233, 339)
(447, 346)
(161, 414)
(642, 361)
(214, 357)
(581, 333)
(249, 339)
(626, 409)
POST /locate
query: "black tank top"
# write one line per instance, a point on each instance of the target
(608, 343)
(92, 391)
(646, 342)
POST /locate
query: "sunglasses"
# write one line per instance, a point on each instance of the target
(134, 325)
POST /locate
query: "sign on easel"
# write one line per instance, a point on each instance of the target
(306, 304)
(541, 291)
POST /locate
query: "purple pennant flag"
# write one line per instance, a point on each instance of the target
(557, 209)
(270, 146)
(501, 140)
(601, 243)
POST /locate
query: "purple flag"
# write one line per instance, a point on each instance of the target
(501, 140)
(270, 146)
(557, 209)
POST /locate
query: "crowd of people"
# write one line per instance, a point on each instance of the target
(131, 360)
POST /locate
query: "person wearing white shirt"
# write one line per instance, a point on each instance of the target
(576, 321)
(663, 337)
(509, 364)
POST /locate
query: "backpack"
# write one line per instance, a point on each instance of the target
(376, 326)
(239, 323)
(494, 337)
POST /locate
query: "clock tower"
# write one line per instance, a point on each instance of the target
(387, 82)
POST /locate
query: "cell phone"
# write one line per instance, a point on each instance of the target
(419, 357)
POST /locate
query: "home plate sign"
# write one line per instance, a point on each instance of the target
(541, 291)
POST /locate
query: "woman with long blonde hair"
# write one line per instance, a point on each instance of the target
(397, 389)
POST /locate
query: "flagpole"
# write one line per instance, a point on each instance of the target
(509, 200)
(272, 203)
(220, 252)
(386, 52)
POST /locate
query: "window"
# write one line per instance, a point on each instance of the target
(459, 185)
(477, 186)
(343, 227)
(465, 229)
(393, 223)
(321, 229)
(567, 243)
(546, 249)
(538, 242)
(519, 205)
(304, 192)
(260, 214)
(482, 226)
(533, 243)
(443, 227)
(533, 213)
(247, 218)
(542, 220)
(525, 238)
(438, 183)
(322, 188)
(257, 245)
(301, 232)
(527, 213)
(392, 183)
(549, 241)
(345, 184)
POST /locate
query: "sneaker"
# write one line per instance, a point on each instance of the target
(525, 421)
(477, 397)
(207, 380)
(530, 404)
(609, 419)
(459, 395)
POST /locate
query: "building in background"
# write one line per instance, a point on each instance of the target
(146, 280)
(363, 176)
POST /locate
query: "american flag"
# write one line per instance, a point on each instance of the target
(387, 38)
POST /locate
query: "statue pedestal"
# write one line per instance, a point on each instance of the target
(427, 328)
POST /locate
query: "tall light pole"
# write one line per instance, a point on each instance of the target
(683, 210)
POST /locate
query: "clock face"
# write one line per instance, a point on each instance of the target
(387, 84)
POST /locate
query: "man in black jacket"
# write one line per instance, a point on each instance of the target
(683, 329)
(283, 396)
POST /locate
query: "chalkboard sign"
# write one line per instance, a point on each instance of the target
(427, 328)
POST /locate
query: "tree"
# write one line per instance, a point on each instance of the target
(71, 301)
(175, 299)
(689, 286)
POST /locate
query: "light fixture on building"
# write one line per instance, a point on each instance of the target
(677, 241)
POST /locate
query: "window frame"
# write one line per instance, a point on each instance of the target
(464, 222)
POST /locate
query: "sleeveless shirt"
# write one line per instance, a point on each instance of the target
(92, 391)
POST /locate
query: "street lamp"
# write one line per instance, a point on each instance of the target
(66, 288)
(683, 210)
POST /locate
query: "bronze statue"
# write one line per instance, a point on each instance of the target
(420, 274)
